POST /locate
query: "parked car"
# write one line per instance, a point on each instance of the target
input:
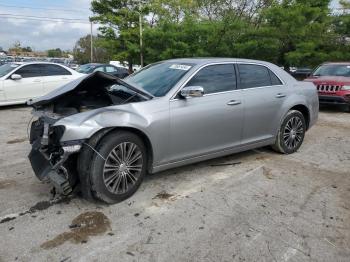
(22, 81)
(301, 73)
(120, 72)
(332, 81)
(168, 114)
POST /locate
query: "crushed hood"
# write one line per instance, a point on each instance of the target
(94, 81)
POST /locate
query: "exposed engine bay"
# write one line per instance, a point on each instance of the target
(55, 160)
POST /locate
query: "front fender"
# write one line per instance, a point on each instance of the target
(84, 125)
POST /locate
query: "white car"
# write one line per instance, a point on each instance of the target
(22, 81)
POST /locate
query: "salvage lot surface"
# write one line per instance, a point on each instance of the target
(262, 207)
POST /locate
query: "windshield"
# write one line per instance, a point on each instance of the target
(333, 70)
(7, 68)
(157, 79)
(85, 69)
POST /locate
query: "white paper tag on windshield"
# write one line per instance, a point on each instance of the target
(180, 67)
(347, 66)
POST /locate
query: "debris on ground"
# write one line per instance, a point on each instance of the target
(85, 225)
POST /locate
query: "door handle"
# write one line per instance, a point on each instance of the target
(37, 80)
(234, 103)
(280, 95)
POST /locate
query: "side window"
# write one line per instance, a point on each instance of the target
(99, 69)
(275, 81)
(215, 78)
(29, 71)
(54, 70)
(254, 76)
(110, 69)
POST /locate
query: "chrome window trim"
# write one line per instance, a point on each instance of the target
(173, 97)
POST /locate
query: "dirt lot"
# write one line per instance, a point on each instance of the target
(263, 207)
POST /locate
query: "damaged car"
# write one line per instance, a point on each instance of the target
(102, 135)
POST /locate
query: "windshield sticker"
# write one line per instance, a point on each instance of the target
(180, 67)
(348, 66)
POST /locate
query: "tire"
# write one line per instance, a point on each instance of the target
(114, 175)
(291, 133)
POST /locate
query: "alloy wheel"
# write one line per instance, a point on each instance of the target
(293, 132)
(122, 168)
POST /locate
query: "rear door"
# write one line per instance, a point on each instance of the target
(211, 123)
(29, 86)
(54, 76)
(263, 93)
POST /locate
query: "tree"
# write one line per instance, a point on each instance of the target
(82, 50)
(120, 19)
(54, 52)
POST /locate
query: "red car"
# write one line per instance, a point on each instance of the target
(333, 83)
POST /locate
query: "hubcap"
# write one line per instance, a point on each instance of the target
(293, 132)
(122, 168)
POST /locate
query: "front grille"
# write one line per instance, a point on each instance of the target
(328, 88)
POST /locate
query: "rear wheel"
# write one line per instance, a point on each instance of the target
(118, 169)
(291, 133)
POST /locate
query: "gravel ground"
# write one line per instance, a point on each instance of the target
(262, 207)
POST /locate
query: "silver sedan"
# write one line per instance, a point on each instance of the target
(103, 135)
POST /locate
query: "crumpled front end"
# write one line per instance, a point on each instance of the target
(52, 160)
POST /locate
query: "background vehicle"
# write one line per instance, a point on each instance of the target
(22, 81)
(120, 72)
(166, 115)
(332, 81)
(301, 73)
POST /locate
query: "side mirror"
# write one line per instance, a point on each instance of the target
(16, 77)
(192, 91)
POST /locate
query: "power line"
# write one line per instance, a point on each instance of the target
(44, 8)
(44, 17)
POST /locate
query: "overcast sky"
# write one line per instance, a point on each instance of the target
(43, 35)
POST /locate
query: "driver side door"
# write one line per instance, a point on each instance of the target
(207, 124)
(29, 86)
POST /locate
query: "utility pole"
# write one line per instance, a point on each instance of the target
(141, 42)
(91, 44)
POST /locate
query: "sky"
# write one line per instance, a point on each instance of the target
(44, 35)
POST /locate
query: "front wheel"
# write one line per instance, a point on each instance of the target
(291, 133)
(118, 169)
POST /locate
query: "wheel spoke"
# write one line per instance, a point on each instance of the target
(114, 156)
(131, 151)
(111, 179)
(131, 176)
(115, 187)
(136, 157)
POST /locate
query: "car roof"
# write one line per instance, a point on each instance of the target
(206, 60)
(336, 63)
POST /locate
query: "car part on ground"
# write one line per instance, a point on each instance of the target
(105, 134)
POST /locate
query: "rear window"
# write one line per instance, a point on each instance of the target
(256, 76)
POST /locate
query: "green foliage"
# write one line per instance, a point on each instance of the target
(82, 50)
(286, 32)
(54, 52)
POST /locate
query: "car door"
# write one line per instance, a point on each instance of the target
(263, 94)
(207, 124)
(54, 76)
(29, 86)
